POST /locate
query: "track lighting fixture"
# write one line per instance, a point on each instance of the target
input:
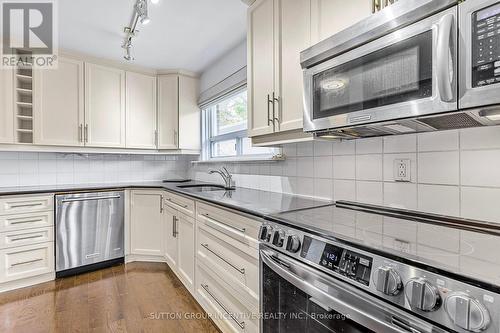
(140, 15)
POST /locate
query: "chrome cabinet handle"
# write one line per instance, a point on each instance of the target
(174, 226)
(444, 77)
(175, 203)
(269, 119)
(26, 205)
(155, 143)
(279, 117)
(80, 133)
(26, 262)
(25, 238)
(161, 204)
(242, 230)
(26, 221)
(175, 138)
(240, 323)
(241, 270)
(91, 198)
(86, 134)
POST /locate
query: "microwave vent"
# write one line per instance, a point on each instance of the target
(451, 121)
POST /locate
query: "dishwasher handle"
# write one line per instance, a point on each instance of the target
(91, 198)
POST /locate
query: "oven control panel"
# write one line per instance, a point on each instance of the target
(486, 46)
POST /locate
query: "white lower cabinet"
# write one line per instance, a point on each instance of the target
(146, 227)
(26, 261)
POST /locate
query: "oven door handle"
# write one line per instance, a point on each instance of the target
(370, 316)
(445, 63)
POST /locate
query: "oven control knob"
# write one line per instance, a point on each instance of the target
(467, 312)
(422, 295)
(388, 281)
(263, 232)
(293, 244)
(278, 238)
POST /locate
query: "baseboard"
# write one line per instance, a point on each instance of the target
(27, 282)
(143, 257)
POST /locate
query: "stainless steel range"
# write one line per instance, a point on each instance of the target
(355, 268)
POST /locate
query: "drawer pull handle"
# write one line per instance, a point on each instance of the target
(26, 221)
(240, 324)
(25, 238)
(241, 270)
(175, 203)
(242, 230)
(91, 198)
(26, 205)
(26, 262)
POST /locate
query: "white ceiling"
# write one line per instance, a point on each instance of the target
(182, 34)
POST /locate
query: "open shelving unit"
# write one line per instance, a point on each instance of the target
(24, 101)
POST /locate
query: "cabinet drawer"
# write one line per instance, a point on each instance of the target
(26, 221)
(26, 261)
(226, 310)
(26, 237)
(180, 203)
(26, 204)
(232, 227)
(238, 267)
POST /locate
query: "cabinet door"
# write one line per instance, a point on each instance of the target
(295, 36)
(59, 105)
(104, 106)
(261, 53)
(332, 16)
(170, 238)
(146, 223)
(141, 111)
(189, 113)
(168, 111)
(6, 106)
(185, 259)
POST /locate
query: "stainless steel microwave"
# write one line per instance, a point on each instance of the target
(415, 66)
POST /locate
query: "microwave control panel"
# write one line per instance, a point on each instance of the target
(486, 46)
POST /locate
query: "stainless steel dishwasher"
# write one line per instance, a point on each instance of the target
(89, 231)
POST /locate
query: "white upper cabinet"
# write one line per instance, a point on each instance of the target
(261, 66)
(104, 106)
(168, 111)
(295, 36)
(59, 105)
(141, 111)
(189, 113)
(6, 106)
(332, 16)
(179, 116)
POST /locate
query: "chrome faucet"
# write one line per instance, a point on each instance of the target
(228, 178)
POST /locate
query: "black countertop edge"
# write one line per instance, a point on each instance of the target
(416, 263)
(172, 187)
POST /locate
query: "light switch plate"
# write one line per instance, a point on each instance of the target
(402, 170)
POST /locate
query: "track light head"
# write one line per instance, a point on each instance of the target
(145, 20)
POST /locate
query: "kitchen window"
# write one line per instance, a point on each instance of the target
(225, 130)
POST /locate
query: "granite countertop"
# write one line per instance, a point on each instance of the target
(254, 202)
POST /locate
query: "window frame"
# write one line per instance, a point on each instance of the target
(208, 140)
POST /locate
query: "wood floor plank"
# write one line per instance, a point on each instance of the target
(132, 298)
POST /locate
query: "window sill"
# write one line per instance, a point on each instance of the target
(240, 159)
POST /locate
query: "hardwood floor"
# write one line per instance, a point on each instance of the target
(137, 297)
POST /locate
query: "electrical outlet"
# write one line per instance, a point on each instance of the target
(402, 246)
(402, 170)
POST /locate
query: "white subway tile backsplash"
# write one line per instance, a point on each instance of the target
(305, 186)
(369, 146)
(400, 195)
(344, 190)
(344, 167)
(305, 167)
(9, 166)
(438, 141)
(439, 199)
(400, 143)
(323, 188)
(438, 168)
(305, 149)
(345, 147)
(322, 148)
(369, 192)
(480, 168)
(369, 167)
(480, 203)
(323, 167)
(480, 138)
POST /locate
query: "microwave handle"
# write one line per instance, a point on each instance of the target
(444, 75)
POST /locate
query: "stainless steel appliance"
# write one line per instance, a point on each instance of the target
(337, 269)
(89, 231)
(418, 65)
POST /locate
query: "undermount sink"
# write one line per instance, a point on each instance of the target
(205, 187)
